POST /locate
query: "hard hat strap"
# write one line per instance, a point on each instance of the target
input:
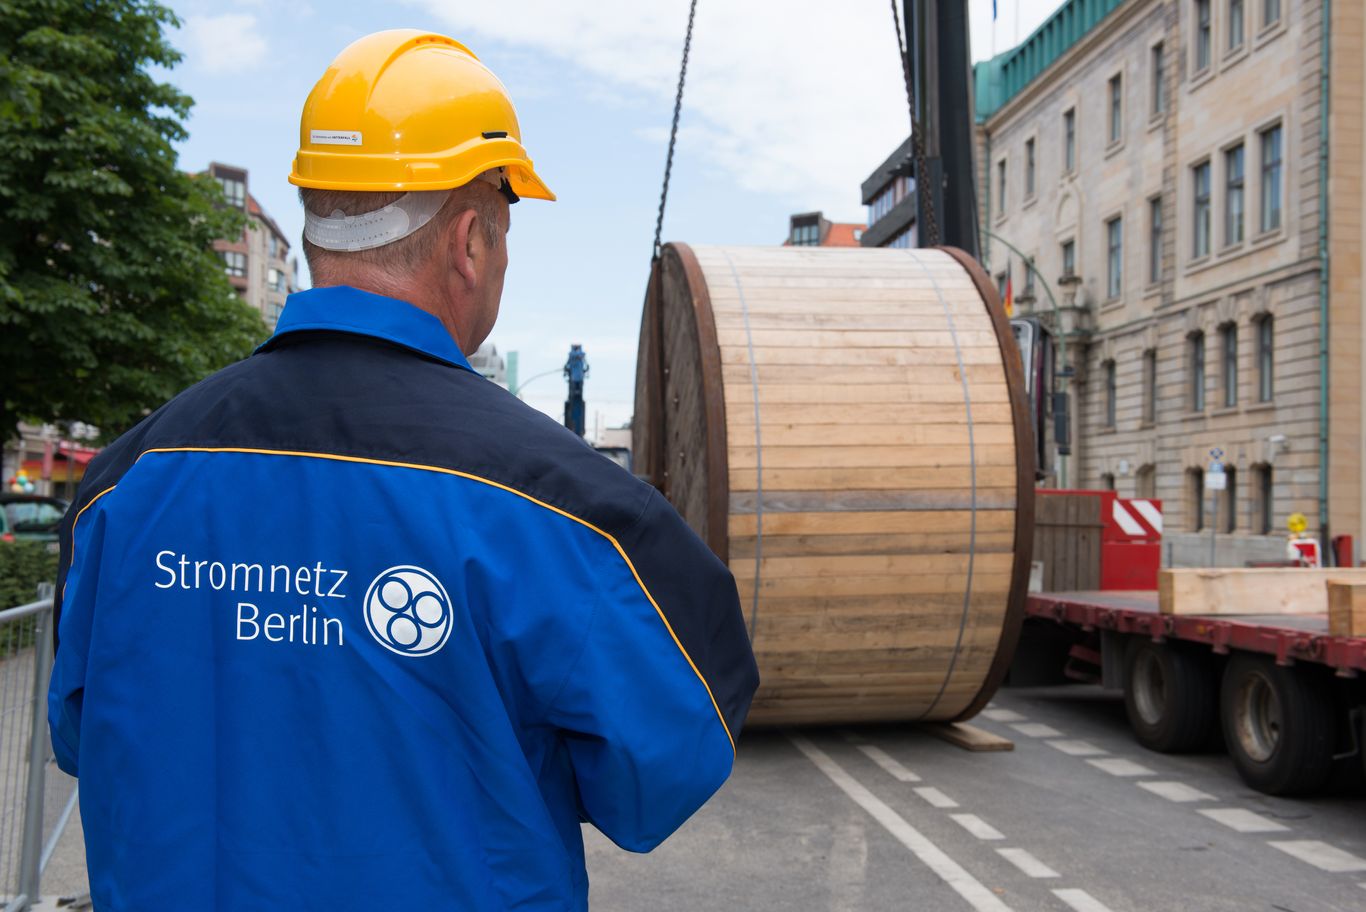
(369, 230)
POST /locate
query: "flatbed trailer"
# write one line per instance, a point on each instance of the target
(1286, 698)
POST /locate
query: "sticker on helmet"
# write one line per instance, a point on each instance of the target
(335, 137)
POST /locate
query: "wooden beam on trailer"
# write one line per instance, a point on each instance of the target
(1249, 590)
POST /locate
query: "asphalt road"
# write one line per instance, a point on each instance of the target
(1078, 817)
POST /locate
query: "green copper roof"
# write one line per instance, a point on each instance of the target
(1004, 76)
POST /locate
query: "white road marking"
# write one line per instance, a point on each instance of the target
(1081, 901)
(1003, 715)
(1027, 863)
(936, 798)
(1176, 791)
(948, 870)
(1321, 855)
(1118, 766)
(977, 826)
(1243, 820)
(1078, 748)
(888, 763)
(1036, 730)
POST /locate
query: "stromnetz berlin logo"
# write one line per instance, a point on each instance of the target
(408, 611)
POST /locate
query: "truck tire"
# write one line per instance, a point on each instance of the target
(1278, 725)
(1171, 695)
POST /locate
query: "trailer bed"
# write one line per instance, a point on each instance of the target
(1289, 638)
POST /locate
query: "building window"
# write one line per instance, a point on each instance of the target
(1271, 12)
(1262, 507)
(1266, 358)
(1029, 277)
(903, 239)
(1235, 24)
(1200, 173)
(1155, 240)
(275, 280)
(1195, 498)
(1001, 281)
(1202, 35)
(1116, 108)
(234, 263)
(1001, 182)
(1114, 240)
(1233, 195)
(234, 191)
(1111, 394)
(888, 197)
(1159, 86)
(1069, 141)
(1150, 386)
(1228, 501)
(1069, 258)
(1271, 178)
(1029, 169)
(1196, 391)
(1107, 481)
(1228, 362)
(1145, 482)
(806, 235)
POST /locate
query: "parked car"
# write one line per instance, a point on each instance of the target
(30, 517)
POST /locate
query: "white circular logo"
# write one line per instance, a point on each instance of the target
(408, 611)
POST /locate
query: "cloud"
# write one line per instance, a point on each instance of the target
(227, 43)
(799, 98)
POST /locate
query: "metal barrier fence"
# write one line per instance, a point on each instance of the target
(25, 750)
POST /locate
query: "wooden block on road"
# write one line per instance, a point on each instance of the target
(968, 737)
(1249, 590)
(1346, 608)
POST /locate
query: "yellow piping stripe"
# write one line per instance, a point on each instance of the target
(72, 562)
(490, 483)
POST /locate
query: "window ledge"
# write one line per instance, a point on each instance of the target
(1157, 120)
(1114, 148)
(1269, 32)
(1191, 416)
(1106, 431)
(1260, 406)
(1233, 249)
(1154, 288)
(1147, 425)
(1111, 304)
(1029, 202)
(1201, 77)
(1224, 410)
(1267, 238)
(1235, 56)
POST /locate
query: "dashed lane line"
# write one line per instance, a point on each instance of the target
(1027, 863)
(1081, 901)
(1243, 820)
(1036, 730)
(888, 763)
(1176, 791)
(948, 870)
(1078, 748)
(1321, 855)
(977, 826)
(936, 798)
(1118, 766)
(1003, 715)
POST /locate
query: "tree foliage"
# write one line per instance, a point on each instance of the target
(111, 300)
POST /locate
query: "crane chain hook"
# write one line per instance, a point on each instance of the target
(673, 132)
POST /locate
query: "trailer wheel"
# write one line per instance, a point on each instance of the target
(1171, 696)
(1278, 724)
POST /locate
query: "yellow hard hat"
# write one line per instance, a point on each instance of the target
(410, 110)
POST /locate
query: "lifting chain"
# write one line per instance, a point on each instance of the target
(673, 132)
(930, 237)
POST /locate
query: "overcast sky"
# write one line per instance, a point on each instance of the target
(789, 105)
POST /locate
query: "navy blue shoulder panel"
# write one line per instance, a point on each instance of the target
(354, 395)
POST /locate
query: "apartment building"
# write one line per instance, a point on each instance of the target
(258, 263)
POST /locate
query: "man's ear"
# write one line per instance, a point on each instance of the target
(463, 250)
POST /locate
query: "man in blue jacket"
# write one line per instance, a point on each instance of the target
(346, 626)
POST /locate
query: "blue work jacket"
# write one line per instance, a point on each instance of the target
(348, 626)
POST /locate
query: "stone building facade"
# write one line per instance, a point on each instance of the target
(1159, 162)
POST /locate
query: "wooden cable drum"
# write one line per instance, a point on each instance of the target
(848, 430)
